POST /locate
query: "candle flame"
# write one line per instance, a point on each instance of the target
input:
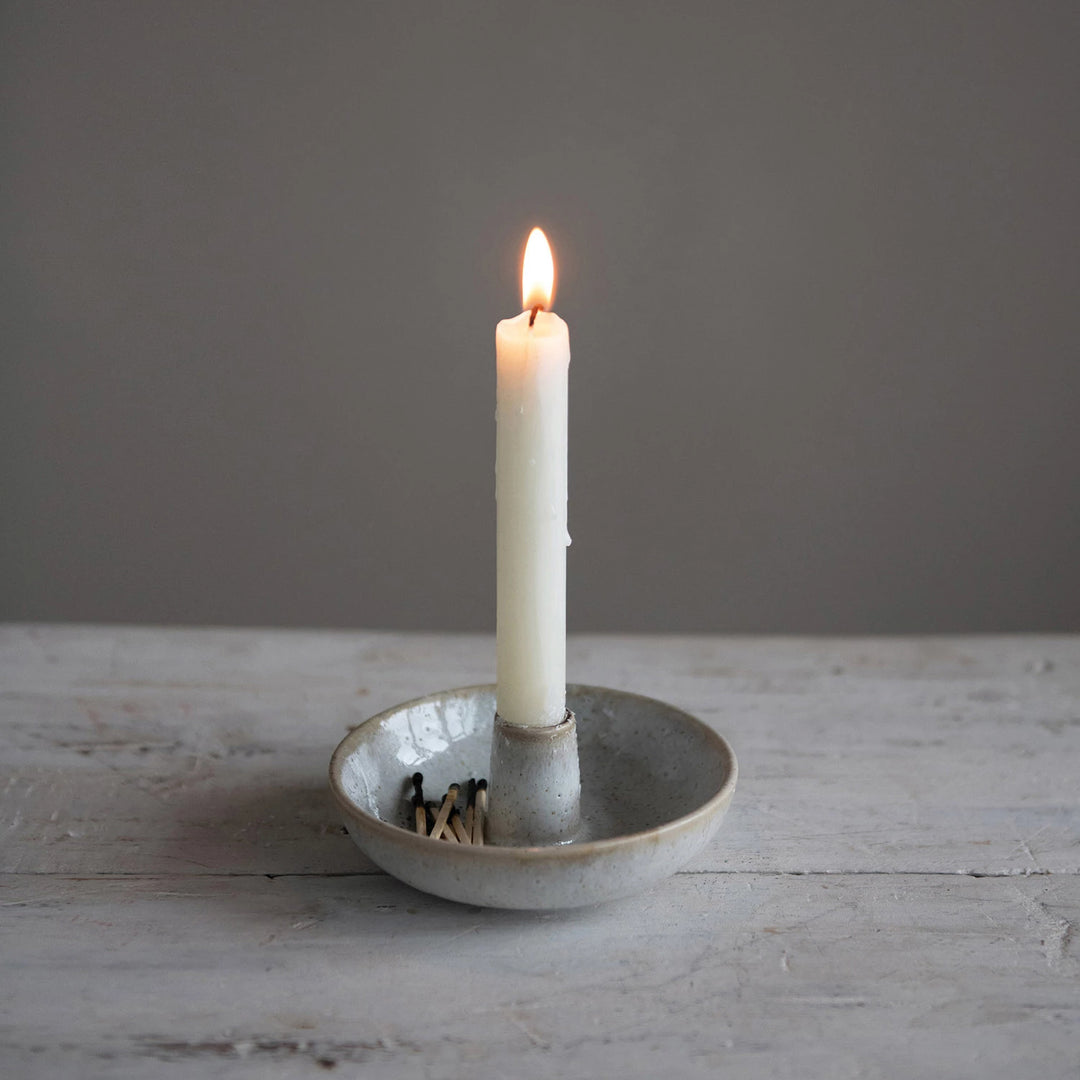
(537, 272)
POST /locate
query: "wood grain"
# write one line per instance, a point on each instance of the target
(895, 891)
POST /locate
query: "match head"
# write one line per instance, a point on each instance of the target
(481, 785)
(471, 798)
(418, 778)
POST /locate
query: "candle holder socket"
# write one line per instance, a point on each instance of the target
(535, 786)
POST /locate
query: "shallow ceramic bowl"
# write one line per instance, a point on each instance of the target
(655, 785)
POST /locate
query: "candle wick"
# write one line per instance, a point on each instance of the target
(532, 317)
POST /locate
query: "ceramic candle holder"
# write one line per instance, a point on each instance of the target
(655, 785)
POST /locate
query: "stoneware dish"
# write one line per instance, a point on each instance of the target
(655, 785)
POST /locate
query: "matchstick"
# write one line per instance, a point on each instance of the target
(470, 808)
(444, 811)
(432, 811)
(419, 811)
(480, 812)
(458, 827)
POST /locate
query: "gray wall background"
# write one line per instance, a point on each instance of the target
(820, 264)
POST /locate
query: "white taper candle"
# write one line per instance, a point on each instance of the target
(532, 357)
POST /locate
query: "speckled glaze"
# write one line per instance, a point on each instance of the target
(655, 785)
(535, 784)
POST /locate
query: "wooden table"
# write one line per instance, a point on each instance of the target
(895, 893)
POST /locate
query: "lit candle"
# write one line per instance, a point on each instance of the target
(532, 357)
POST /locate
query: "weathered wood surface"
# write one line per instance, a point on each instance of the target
(176, 897)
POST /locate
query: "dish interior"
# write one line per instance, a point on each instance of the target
(643, 763)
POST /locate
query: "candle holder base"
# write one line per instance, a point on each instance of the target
(655, 786)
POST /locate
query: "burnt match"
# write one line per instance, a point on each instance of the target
(444, 812)
(470, 806)
(479, 812)
(458, 827)
(419, 810)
